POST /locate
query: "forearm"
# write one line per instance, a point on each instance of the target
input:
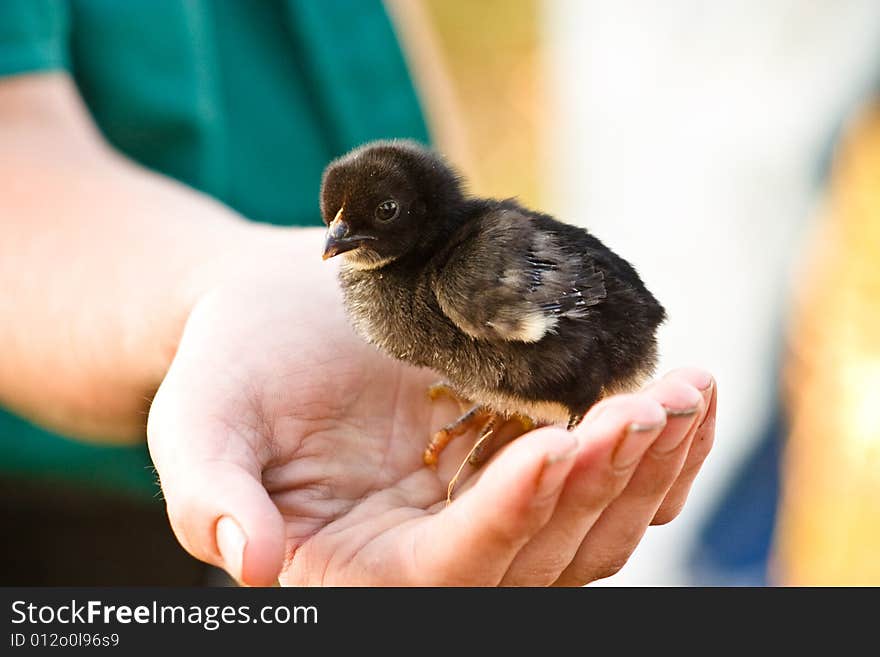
(100, 263)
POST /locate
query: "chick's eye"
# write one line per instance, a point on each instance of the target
(387, 210)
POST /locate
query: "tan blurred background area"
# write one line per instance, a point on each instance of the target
(830, 521)
(477, 64)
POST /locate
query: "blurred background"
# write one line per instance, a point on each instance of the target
(731, 152)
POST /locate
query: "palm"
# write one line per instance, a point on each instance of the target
(348, 475)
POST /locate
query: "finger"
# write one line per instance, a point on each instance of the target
(618, 530)
(613, 438)
(218, 507)
(700, 447)
(473, 541)
(223, 515)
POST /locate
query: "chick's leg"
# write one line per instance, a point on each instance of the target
(483, 448)
(475, 418)
(477, 454)
(481, 451)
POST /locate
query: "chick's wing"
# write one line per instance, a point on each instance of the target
(511, 280)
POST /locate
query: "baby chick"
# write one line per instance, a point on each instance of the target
(523, 315)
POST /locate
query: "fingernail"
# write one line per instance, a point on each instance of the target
(675, 434)
(687, 401)
(231, 542)
(681, 412)
(558, 464)
(699, 378)
(634, 443)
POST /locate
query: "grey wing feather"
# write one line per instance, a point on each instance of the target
(514, 282)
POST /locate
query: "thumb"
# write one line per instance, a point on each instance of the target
(222, 514)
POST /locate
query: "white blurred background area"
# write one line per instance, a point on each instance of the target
(693, 137)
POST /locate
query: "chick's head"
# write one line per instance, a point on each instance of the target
(386, 200)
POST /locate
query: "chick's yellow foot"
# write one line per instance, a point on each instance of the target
(486, 423)
(481, 451)
(441, 389)
(475, 418)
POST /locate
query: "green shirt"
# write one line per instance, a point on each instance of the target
(246, 100)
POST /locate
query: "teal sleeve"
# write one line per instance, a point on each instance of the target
(33, 36)
(364, 90)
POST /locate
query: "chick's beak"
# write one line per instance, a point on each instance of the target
(339, 240)
(336, 233)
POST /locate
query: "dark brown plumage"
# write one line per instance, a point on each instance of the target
(520, 313)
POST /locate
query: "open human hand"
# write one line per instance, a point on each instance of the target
(289, 449)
